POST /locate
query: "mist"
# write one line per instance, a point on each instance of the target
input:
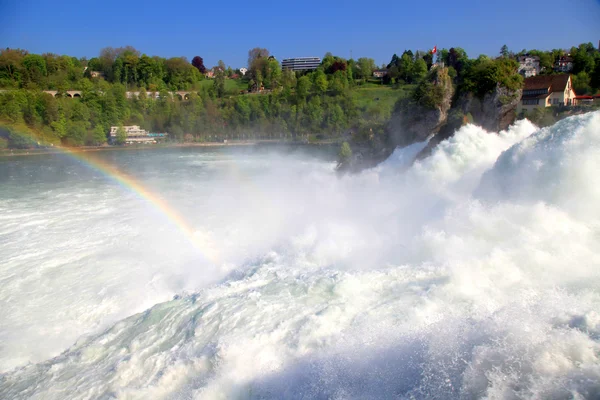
(472, 273)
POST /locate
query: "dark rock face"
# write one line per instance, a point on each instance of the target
(413, 122)
(495, 112)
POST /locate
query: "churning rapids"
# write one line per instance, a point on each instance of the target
(474, 273)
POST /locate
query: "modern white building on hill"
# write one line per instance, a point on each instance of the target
(301, 63)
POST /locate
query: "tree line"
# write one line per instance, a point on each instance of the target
(280, 103)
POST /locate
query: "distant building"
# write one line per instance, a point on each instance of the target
(380, 73)
(243, 70)
(529, 65)
(301, 63)
(209, 74)
(588, 99)
(564, 64)
(546, 91)
(135, 134)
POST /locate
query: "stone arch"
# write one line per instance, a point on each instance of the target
(68, 95)
(77, 95)
(179, 96)
(57, 95)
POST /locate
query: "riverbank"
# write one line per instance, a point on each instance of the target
(86, 149)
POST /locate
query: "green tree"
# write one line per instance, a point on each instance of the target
(581, 83)
(273, 75)
(366, 66)
(121, 136)
(405, 69)
(11, 67)
(60, 126)
(319, 82)
(219, 83)
(339, 83)
(595, 77)
(504, 51)
(419, 70)
(345, 154)
(99, 135)
(35, 66)
(302, 88)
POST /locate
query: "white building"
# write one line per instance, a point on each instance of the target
(135, 134)
(529, 65)
(564, 64)
(546, 91)
(301, 63)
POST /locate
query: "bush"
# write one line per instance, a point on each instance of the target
(430, 92)
(345, 153)
(484, 75)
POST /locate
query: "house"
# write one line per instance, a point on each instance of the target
(546, 91)
(529, 65)
(584, 99)
(211, 73)
(564, 64)
(588, 99)
(380, 73)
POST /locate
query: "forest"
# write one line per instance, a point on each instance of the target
(338, 98)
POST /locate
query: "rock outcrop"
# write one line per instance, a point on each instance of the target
(434, 112)
(495, 111)
(415, 119)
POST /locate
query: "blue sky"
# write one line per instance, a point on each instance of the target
(228, 29)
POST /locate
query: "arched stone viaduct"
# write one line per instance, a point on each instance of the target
(181, 95)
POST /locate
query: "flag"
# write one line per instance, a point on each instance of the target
(434, 50)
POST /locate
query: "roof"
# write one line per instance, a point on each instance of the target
(523, 58)
(536, 96)
(563, 59)
(556, 83)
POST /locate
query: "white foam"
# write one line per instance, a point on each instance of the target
(468, 275)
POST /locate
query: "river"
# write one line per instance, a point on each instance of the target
(258, 272)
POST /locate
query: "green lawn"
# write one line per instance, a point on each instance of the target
(232, 86)
(369, 93)
(366, 95)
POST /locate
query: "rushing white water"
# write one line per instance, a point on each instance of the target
(471, 274)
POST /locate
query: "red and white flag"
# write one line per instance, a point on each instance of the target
(434, 50)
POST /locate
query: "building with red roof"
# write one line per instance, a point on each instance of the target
(546, 91)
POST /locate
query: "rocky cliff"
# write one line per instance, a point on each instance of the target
(419, 117)
(435, 112)
(414, 120)
(495, 111)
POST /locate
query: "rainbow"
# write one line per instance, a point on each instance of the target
(131, 184)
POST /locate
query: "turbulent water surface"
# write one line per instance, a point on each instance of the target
(474, 273)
